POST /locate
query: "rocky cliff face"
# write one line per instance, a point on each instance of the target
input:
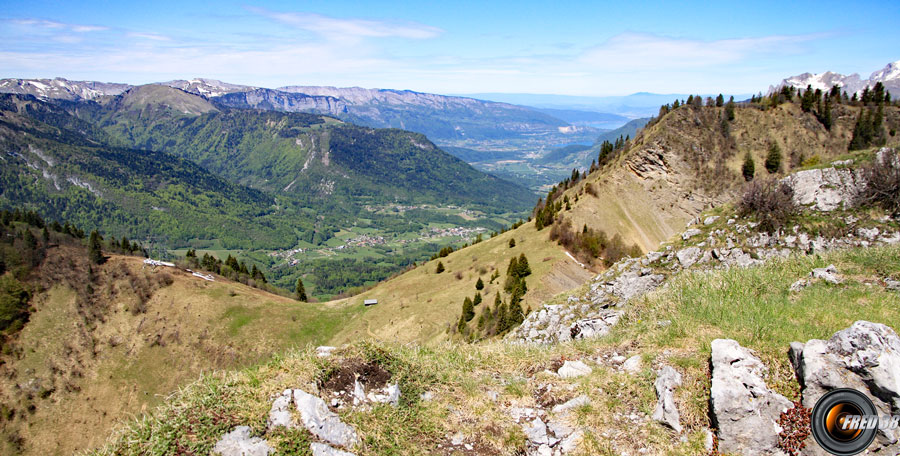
(889, 76)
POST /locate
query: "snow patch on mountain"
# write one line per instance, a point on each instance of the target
(889, 76)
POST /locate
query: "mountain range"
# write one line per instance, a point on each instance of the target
(889, 76)
(437, 116)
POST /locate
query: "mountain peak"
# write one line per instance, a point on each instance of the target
(889, 76)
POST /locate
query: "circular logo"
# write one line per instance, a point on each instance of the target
(844, 422)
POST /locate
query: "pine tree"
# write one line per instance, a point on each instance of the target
(729, 109)
(440, 268)
(45, 235)
(477, 299)
(512, 242)
(468, 309)
(773, 159)
(749, 168)
(126, 244)
(523, 270)
(479, 285)
(720, 101)
(300, 290)
(95, 252)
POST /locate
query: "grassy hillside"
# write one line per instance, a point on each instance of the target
(698, 307)
(115, 340)
(688, 161)
(420, 305)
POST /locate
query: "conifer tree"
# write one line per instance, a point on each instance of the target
(749, 168)
(477, 299)
(479, 285)
(468, 309)
(773, 159)
(440, 268)
(95, 252)
(512, 242)
(522, 268)
(300, 290)
(720, 101)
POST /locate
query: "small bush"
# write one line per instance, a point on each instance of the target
(770, 202)
(590, 189)
(882, 179)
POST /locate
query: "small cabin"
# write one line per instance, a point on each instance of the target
(370, 302)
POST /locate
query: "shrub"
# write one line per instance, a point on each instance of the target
(770, 202)
(882, 179)
(440, 268)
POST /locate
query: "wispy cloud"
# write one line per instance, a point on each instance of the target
(53, 25)
(149, 36)
(337, 28)
(635, 51)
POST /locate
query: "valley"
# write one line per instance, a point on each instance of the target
(430, 274)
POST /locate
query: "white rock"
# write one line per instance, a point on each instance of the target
(690, 233)
(239, 443)
(632, 365)
(322, 422)
(710, 220)
(324, 351)
(667, 379)
(571, 404)
(574, 369)
(321, 449)
(618, 359)
(828, 274)
(280, 413)
(687, 257)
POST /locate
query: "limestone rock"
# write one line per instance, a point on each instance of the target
(865, 357)
(322, 422)
(632, 365)
(710, 220)
(825, 189)
(571, 404)
(324, 351)
(667, 379)
(574, 369)
(594, 327)
(321, 449)
(690, 233)
(828, 274)
(239, 443)
(629, 285)
(744, 410)
(280, 413)
(687, 257)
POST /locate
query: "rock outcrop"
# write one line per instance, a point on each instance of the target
(314, 416)
(745, 411)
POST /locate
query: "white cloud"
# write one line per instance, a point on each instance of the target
(53, 25)
(637, 51)
(341, 28)
(149, 36)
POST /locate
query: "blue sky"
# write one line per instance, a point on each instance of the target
(571, 48)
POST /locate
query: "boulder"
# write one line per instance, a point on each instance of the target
(588, 328)
(865, 357)
(632, 365)
(321, 449)
(574, 369)
(322, 422)
(280, 413)
(828, 274)
(667, 379)
(687, 257)
(745, 411)
(571, 404)
(239, 443)
(690, 233)
(710, 220)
